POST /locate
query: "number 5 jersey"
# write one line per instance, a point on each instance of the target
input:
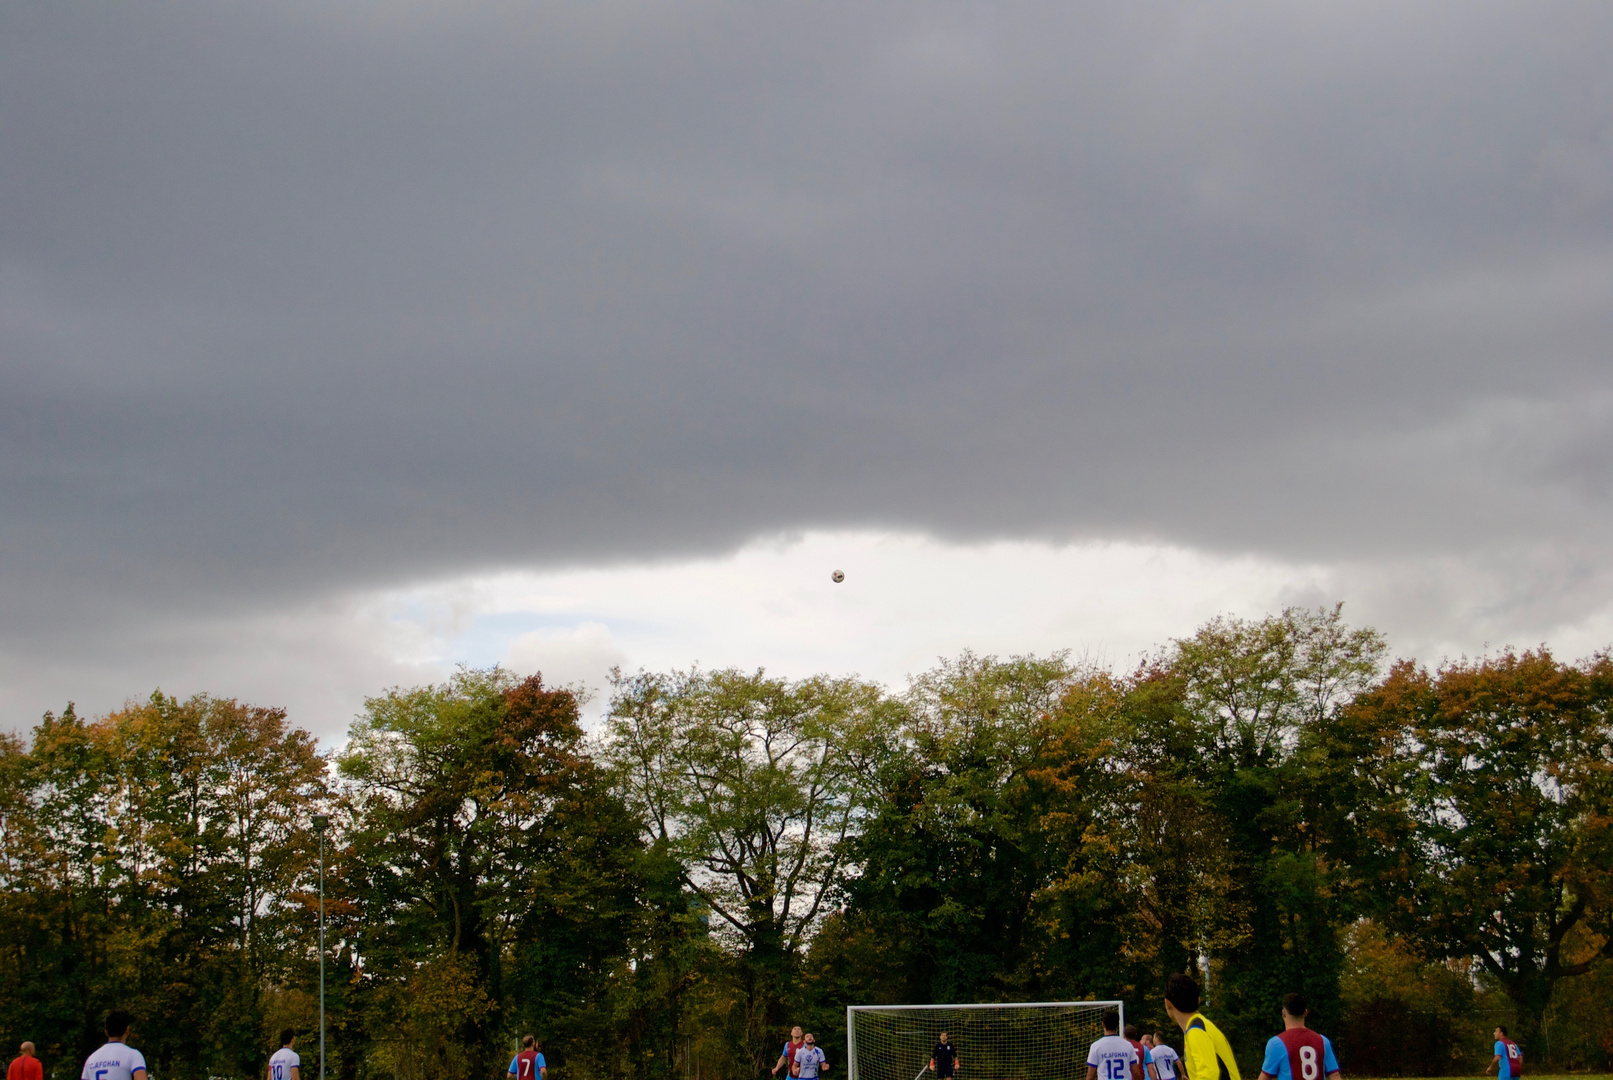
(114, 1061)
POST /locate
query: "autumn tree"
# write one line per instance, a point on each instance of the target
(494, 874)
(1508, 860)
(731, 851)
(154, 858)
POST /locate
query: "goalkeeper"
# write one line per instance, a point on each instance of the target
(1203, 1042)
(943, 1059)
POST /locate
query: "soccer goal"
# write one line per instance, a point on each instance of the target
(1044, 1040)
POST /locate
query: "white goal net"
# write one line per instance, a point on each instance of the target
(1034, 1041)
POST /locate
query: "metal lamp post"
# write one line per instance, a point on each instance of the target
(321, 823)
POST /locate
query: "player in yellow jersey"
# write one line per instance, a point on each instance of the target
(1204, 1045)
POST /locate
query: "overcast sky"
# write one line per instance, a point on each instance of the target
(344, 342)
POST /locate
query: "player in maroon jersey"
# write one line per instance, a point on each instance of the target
(1298, 1053)
(1133, 1035)
(529, 1063)
(1508, 1061)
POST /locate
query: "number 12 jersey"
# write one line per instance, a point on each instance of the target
(1113, 1057)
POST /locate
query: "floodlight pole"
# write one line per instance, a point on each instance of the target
(321, 823)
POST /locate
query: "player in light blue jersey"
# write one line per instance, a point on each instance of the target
(1134, 1036)
(529, 1063)
(1508, 1057)
(1299, 1053)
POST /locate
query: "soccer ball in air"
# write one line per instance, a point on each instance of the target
(838, 576)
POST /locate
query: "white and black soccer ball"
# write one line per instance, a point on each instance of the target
(838, 576)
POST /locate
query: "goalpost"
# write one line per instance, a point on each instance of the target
(1043, 1040)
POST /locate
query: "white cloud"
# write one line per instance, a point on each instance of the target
(906, 601)
(573, 656)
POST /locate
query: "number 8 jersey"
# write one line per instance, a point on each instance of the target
(1299, 1054)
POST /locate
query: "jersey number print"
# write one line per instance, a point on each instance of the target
(1114, 1068)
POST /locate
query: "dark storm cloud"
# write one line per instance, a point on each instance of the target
(307, 296)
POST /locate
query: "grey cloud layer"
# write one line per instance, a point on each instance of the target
(308, 296)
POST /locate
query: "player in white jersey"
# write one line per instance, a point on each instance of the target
(1111, 1057)
(285, 1063)
(116, 1060)
(1164, 1058)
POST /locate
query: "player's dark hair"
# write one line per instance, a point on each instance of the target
(1296, 1005)
(117, 1024)
(1502, 1030)
(1132, 1033)
(1182, 991)
(286, 1035)
(527, 1041)
(1111, 1019)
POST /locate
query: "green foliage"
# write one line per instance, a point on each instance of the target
(752, 785)
(495, 882)
(1047, 832)
(1424, 854)
(1260, 700)
(954, 852)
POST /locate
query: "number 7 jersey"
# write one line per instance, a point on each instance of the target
(1299, 1054)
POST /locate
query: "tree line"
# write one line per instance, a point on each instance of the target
(1270, 804)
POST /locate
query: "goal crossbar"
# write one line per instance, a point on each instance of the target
(998, 1040)
(1120, 1005)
